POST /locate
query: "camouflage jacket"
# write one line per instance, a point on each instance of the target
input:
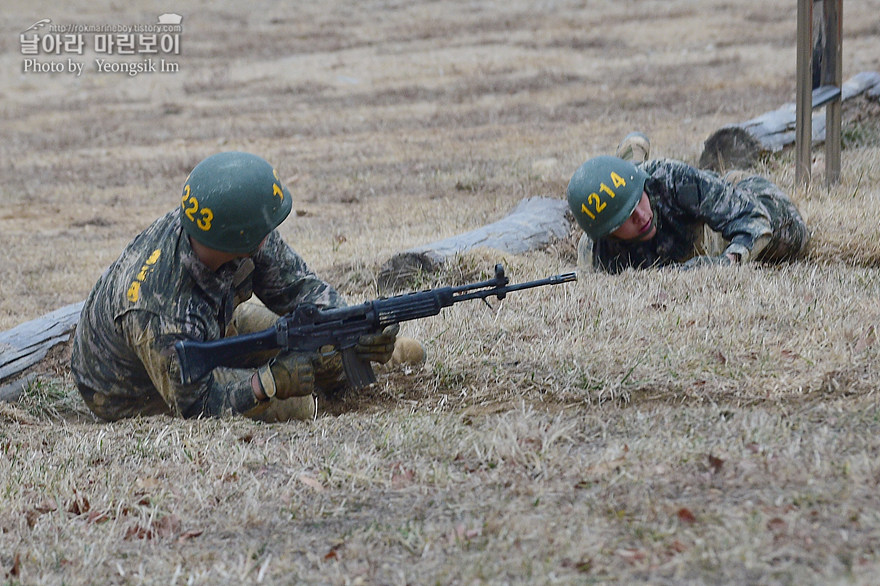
(684, 200)
(158, 292)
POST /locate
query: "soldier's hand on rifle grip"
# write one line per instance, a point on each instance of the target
(288, 375)
(377, 347)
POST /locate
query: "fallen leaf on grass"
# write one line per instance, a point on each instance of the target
(334, 549)
(46, 507)
(776, 525)
(16, 565)
(311, 482)
(685, 515)
(41, 509)
(584, 566)
(754, 447)
(162, 528)
(791, 355)
(79, 505)
(715, 463)
(98, 517)
(462, 534)
(191, 534)
(401, 476)
(632, 555)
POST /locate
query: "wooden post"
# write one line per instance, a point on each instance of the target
(819, 75)
(803, 102)
(832, 75)
(740, 145)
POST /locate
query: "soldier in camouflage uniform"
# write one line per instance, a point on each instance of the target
(639, 213)
(187, 276)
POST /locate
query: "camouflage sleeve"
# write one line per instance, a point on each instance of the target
(740, 218)
(206, 398)
(282, 280)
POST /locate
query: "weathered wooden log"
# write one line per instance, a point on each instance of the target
(11, 392)
(739, 146)
(25, 345)
(532, 225)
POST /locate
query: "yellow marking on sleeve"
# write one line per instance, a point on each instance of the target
(133, 292)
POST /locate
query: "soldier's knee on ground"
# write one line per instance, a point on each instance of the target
(250, 317)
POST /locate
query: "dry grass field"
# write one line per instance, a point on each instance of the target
(665, 427)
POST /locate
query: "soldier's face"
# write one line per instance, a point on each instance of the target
(640, 224)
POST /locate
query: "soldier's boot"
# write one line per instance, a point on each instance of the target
(292, 409)
(635, 147)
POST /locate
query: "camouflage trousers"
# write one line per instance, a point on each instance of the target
(791, 236)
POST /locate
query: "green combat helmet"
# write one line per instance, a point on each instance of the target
(232, 201)
(603, 193)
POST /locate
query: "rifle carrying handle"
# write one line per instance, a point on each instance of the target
(359, 373)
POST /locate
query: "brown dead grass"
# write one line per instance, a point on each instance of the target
(659, 427)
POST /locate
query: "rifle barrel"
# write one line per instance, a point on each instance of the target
(309, 327)
(500, 292)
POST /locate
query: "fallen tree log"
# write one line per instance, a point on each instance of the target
(11, 392)
(532, 225)
(25, 345)
(739, 146)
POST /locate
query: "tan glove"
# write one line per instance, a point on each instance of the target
(377, 347)
(288, 375)
(328, 368)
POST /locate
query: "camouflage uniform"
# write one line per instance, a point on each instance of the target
(158, 292)
(756, 220)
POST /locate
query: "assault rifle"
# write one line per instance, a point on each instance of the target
(308, 328)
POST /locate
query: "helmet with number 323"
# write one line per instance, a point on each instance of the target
(603, 193)
(231, 201)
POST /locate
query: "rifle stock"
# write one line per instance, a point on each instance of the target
(199, 358)
(309, 328)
